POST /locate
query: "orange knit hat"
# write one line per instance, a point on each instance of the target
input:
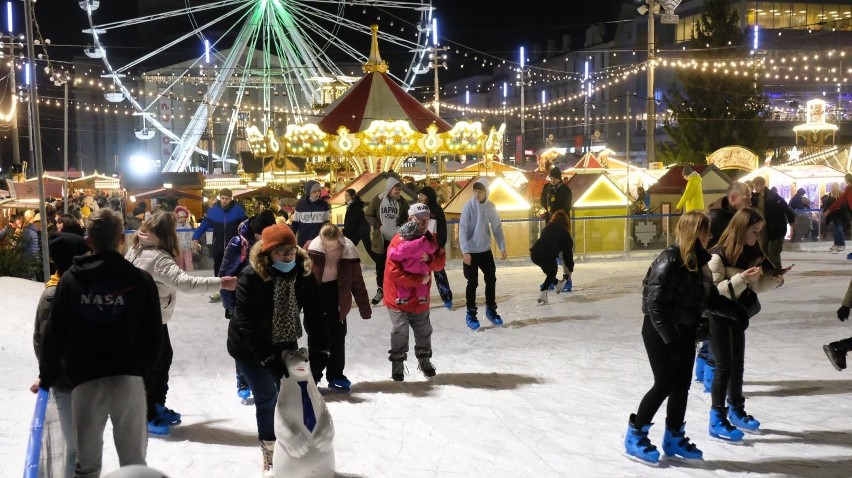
(277, 236)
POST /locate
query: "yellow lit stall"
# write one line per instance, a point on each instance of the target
(597, 195)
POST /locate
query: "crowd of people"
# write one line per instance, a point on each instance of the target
(271, 268)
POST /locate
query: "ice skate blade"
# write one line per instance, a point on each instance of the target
(680, 459)
(739, 442)
(248, 401)
(827, 350)
(639, 460)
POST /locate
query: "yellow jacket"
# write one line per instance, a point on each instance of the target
(693, 195)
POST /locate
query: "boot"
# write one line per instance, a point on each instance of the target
(491, 315)
(740, 419)
(167, 414)
(637, 444)
(397, 365)
(709, 373)
(542, 298)
(471, 320)
(380, 294)
(268, 450)
(424, 365)
(700, 364)
(676, 443)
(836, 355)
(721, 428)
(560, 285)
(158, 427)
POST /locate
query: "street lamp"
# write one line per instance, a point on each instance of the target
(543, 131)
(522, 105)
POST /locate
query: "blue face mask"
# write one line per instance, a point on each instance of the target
(284, 267)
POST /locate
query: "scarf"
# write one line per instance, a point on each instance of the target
(285, 311)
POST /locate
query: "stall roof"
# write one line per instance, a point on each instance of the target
(673, 183)
(504, 196)
(596, 190)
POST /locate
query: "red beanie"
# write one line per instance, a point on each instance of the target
(277, 236)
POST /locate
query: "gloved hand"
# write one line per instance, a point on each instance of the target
(276, 367)
(843, 313)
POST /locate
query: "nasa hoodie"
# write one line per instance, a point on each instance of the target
(105, 321)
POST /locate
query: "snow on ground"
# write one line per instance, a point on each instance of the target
(547, 395)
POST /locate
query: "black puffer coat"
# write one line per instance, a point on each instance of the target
(674, 297)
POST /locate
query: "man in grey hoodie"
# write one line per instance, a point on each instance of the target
(385, 214)
(478, 221)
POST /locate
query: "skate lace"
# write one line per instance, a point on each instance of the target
(424, 365)
(267, 460)
(685, 443)
(645, 444)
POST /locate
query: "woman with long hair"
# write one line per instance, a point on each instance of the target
(675, 293)
(737, 269)
(555, 238)
(155, 248)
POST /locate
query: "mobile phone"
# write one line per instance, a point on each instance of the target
(781, 272)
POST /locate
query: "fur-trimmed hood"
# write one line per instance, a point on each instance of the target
(261, 263)
(349, 250)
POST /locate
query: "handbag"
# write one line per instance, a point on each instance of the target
(748, 300)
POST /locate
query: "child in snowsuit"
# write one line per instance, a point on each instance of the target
(409, 254)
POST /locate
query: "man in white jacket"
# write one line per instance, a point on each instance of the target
(479, 220)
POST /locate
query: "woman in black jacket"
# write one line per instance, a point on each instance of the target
(355, 225)
(674, 294)
(271, 292)
(555, 239)
(429, 197)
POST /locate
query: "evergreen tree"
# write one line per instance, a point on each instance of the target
(711, 109)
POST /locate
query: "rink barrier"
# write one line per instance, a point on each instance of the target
(36, 430)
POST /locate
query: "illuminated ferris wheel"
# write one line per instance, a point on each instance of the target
(286, 50)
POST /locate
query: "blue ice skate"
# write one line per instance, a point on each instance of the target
(740, 419)
(243, 390)
(342, 384)
(167, 414)
(722, 429)
(471, 320)
(550, 287)
(158, 427)
(568, 285)
(448, 304)
(491, 315)
(637, 444)
(709, 373)
(700, 364)
(676, 443)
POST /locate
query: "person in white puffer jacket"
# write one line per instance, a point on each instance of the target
(154, 249)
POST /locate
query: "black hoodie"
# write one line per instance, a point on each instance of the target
(437, 214)
(105, 321)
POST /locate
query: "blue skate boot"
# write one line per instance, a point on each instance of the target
(471, 320)
(167, 414)
(740, 419)
(491, 315)
(568, 285)
(709, 373)
(243, 390)
(637, 444)
(700, 364)
(550, 287)
(676, 443)
(341, 383)
(721, 428)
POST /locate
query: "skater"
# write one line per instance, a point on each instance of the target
(154, 249)
(555, 239)
(271, 292)
(234, 260)
(104, 334)
(777, 214)
(63, 247)
(385, 214)
(836, 351)
(409, 253)
(337, 267)
(693, 195)
(413, 313)
(737, 273)
(438, 226)
(555, 196)
(479, 219)
(839, 212)
(184, 238)
(674, 294)
(223, 217)
(355, 225)
(311, 212)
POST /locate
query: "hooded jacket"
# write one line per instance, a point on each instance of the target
(235, 258)
(693, 195)
(478, 221)
(721, 212)
(250, 329)
(437, 214)
(395, 277)
(105, 321)
(355, 224)
(777, 214)
(224, 222)
(309, 216)
(374, 216)
(350, 280)
(167, 275)
(556, 198)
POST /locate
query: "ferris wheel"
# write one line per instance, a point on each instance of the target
(285, 50)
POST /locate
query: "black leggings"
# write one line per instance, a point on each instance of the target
(549, 267)
(727, 342)
(380, 259)
(327, 336)
(157, 382)
(672, 367)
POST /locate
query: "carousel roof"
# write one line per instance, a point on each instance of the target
(377, 97)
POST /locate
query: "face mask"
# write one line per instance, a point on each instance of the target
(284, 267)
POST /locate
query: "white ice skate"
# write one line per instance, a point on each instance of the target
(542, 298)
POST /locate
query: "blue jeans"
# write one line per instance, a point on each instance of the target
(839, 239)
(264, 387)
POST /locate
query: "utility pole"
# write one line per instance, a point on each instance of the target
(587, 92)
(435, 55)
(522, 158)
(65, 151)
(16, 146)
(651, 107)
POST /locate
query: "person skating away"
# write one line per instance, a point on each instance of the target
(154, 249)
(413, 314)
(840, 217)
(271, 292)
(693, 195)
(355, 225)
(555, 239)
(836, 351)
(236, 257)
(63, 247)
(438, 226)
(224, 217)
(409, 254)
(311, 213)
(385, 213)
(104, 333)
(479, 220)
(336, 265)
(675, 293)
(737, 269)
(777, 214)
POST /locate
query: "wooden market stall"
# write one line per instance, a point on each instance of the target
(668, 190)
(596, 195)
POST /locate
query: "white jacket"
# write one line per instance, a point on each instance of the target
(167, 275)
